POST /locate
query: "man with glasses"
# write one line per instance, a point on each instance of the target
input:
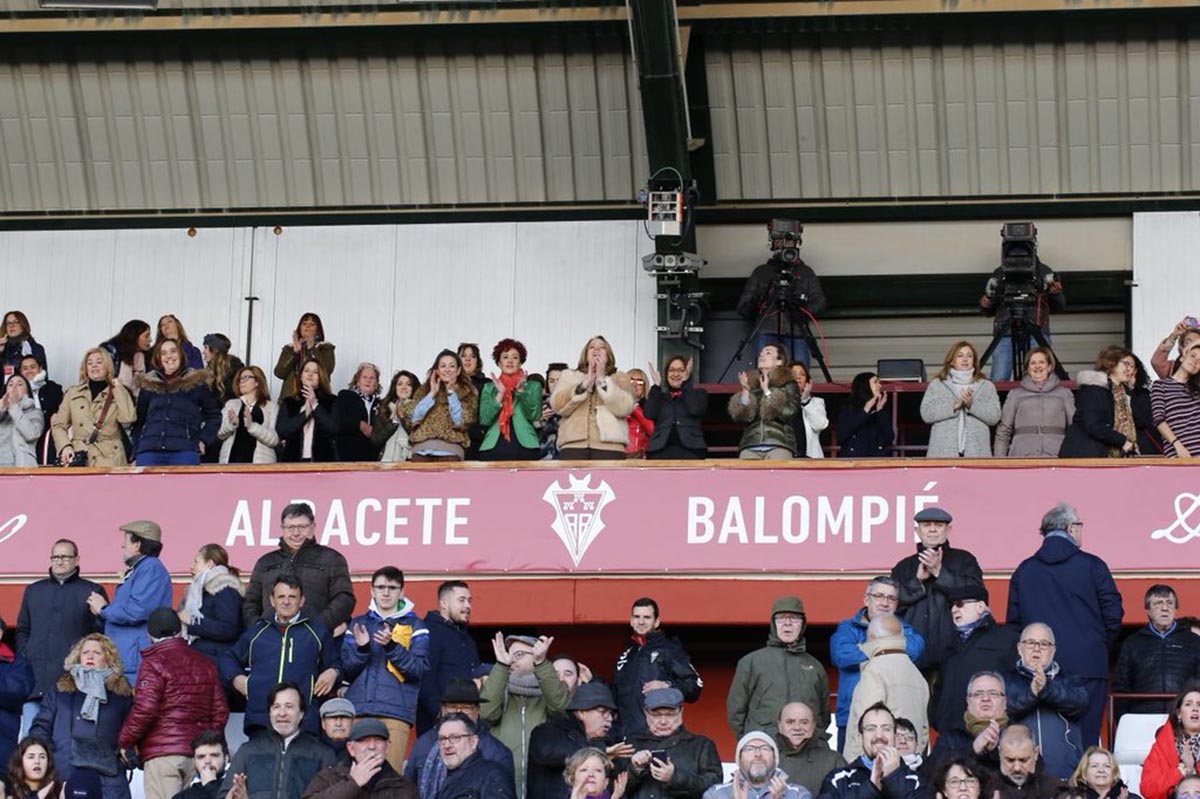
(587, 722)
(54, 615)
(1047, 699)
(384, 657)
(880, 771)
(322, 571)
(978, 738)
(1159, 658)
(669, 759)
(926, 579)
(1073, 592)
(889, 678)
(981, 645)
(780, 672)
(425, 768)
(758, 775)
(469, 775)
(881, 599)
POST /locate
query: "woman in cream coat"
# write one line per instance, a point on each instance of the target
(593, 401)
(82, 404)
(249, 419)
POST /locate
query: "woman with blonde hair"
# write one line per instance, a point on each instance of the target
(590, 774)
(1099, 773)
(356, 407)
(1036, 414)
(82, 716)
(248, 421)
(87, 427)
(593, 401)
(961, 405)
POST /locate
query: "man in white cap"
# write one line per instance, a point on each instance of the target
(758, 775)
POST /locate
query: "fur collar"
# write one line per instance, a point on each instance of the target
(780, 376)
(223, 581)
(1090, 377)
(115, 683)
(191, 378)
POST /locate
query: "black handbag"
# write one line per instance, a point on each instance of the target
(81, 458)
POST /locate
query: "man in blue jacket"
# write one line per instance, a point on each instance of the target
(145, 585)
(1072, 592)
(384, 656)
(882, 598)
(288, 647)
(452, 651)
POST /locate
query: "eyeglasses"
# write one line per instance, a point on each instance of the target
(788, 618)
(63, 557)
(296, 528)
(757, 749)
(986, 695)
(386, 588)
(246, 377)
(906, 737)
(1032, 644)
(453, 740)
(878, 597)
(962, 782)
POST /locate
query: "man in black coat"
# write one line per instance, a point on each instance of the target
(54, 615)
(880, 772)
(1022, 773)
(1074, 593)
(926, 578)
(1159, 658)
(424, 767)
(978, 737)
(452, 652)
(469, 775)
(652, 660)
(669, 760)
(981, 645)
(210, 757)
(782, 291)
(322, 571)
(587, 722)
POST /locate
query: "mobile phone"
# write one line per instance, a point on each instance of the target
(1191, 321)
(659, 754)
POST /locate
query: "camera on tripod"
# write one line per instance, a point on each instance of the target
(786, 238)
(1018, 282)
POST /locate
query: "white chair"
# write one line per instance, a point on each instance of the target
(1132, 777)
(1135, 736)
(727, 770)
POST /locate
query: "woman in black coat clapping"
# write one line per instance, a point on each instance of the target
(676, 408)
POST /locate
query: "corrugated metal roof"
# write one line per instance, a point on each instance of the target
(1066, 107)
(366, 121)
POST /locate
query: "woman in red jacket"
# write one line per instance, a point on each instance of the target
(1176, 749)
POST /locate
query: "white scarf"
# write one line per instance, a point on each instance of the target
(959, 381)
(195, 595)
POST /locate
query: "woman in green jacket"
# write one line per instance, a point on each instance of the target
(508, 407)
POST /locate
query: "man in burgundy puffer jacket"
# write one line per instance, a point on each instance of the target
(178, 696)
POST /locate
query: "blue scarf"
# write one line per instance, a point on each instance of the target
(965, 630)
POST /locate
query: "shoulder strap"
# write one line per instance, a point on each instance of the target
(108, 401)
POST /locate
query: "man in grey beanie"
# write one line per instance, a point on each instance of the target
(758, 775)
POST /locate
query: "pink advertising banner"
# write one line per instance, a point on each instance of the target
(710, 518)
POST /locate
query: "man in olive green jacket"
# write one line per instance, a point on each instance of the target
(804, 754)
(520, 693)
(779, 673)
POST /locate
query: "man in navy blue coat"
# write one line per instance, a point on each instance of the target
(452, 651)
(1073, 592)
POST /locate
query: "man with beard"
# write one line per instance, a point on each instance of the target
(469, 775)
(780, 672)
(425, 768)
(521, 692)
(981, 645)
(587, 722)
(669, 759)
(803, 755)
(452, 653)
(926, 579)
(758, 775)
(880, 771)
(1021, 773)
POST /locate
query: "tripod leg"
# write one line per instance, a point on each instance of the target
(737, 356)
(815, 351)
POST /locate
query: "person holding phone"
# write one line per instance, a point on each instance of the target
(670, 754)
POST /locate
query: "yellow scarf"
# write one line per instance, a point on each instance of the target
(402, 635)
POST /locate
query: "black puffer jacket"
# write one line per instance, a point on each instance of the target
(923, 603)
(550, 744)
(323, 574)
(1051, 715)
(990, 647)
(697, 766)
(1150, 663)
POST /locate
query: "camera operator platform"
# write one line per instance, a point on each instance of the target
(780, 297)
(1020, 295)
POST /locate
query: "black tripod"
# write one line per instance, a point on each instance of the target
(778, 304)
(1021, 328)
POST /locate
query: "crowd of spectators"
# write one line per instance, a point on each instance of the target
(154, 398)
(935, 696)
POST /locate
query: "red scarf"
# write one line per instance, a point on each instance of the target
(510, 383)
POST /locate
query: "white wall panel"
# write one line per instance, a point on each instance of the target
(1166, 284)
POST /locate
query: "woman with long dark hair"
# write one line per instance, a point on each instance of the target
(221, 365)
(177, 415)
(308, 344)
(169, 326)
(444, 407)
(306, 421)
(31, 773)
(864, 428)
(130, 353)
(248, 421)
(18, 342)
(1175, 404)
(1176, 749)
(389, 434)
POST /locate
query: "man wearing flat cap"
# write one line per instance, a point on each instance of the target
(337, 719)
(669, 760)
(145, 585)
(587, 722)
(521, 692)
(926, 578)
(367, 772)
(424, 767)
(981, 644)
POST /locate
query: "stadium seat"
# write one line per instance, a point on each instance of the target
(1135, 736)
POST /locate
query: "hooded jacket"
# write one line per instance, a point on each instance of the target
(889, 677)
(768, 420)
(1052, 715)
(175, 415)
(989, 647)
(924, 603)
(513, 716)
(384, 680)
(53, 616)
(808, 763)
(659, 657)
(1073, 592)
(771, 677)
(1034, 419)
(1091, 433)
(323, 574)
(846, 655)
